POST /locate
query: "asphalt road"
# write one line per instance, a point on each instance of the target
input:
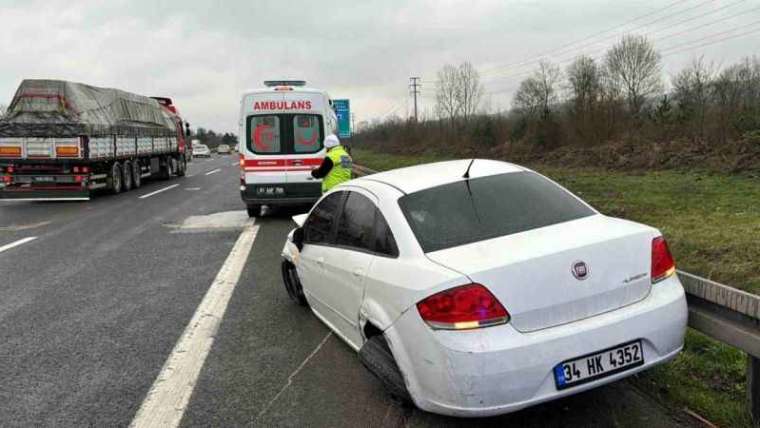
(91, 309)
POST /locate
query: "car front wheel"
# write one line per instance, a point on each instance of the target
(293, 283)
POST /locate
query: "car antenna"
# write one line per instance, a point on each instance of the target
(466, 175)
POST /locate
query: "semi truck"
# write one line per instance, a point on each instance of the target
(62, 140)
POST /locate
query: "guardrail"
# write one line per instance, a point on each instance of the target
(724, 313)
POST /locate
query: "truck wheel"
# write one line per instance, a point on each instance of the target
(126, 172)
(115, 178)
(254, 210)
(377, 357)
(182, 167)
(292, 283)
(136, 175)
(164, 171)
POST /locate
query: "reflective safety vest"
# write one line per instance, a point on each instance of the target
(341, 169)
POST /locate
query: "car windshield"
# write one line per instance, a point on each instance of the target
(483, 208)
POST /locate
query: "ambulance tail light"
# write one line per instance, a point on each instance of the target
(462, 308)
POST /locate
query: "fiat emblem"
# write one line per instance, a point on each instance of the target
(580, 270)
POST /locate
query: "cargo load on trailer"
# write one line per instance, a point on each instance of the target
(61, 140)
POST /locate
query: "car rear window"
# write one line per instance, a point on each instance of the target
(488, 207)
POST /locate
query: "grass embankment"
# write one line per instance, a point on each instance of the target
(712, 223)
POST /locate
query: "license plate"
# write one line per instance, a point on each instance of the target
(598, 365)
(44, 179)
(270, 191)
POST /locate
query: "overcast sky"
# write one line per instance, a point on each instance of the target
(203, 54)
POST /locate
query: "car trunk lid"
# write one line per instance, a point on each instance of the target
(532, 272)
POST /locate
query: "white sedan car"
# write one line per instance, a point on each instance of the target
(475, 288)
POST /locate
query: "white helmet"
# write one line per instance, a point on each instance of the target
(331, 141)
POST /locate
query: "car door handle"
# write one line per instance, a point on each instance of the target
(358, 272)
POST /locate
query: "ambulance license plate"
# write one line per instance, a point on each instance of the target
(598, 365)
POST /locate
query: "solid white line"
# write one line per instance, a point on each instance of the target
(158, 191)
(17, 243)
(235, 164)
(213, 171)
(169, 396)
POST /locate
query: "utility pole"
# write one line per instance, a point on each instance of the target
(414, 89)
(353, 123)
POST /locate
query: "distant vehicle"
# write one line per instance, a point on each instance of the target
(201, 151)
(284, 125)
(63, 140)
(223, 149)
(469, 304)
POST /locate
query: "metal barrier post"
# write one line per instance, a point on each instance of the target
(753, 387)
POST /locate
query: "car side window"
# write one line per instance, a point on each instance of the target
(357, 223)
(384, 243)
(319, 225)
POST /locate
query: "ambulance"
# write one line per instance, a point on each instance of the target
(283, 127)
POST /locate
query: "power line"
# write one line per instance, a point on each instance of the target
(536, 59)
(541, 55)
(595, 54)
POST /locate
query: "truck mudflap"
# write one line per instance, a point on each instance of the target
(52, 193)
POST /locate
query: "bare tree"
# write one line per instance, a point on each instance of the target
(447, 93)
(470, 90)
(585, 85)
(538, 93)
(459, 92)
(691, 90)
(635, 65)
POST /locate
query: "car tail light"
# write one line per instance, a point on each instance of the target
(7, 179)
(242, 162)
(663, 264)
(464, 307)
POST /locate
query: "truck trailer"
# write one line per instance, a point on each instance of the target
(63, 140)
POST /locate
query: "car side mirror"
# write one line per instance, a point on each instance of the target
(298, 238)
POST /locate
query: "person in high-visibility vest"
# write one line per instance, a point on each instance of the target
(336, 167)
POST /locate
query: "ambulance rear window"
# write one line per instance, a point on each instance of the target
(306, 133)
(285, 133)
(265, 134)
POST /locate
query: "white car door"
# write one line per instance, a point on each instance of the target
(349, 261)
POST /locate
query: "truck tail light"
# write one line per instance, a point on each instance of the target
(10, 151)
(67, 151)
(464, 307)
(663, 264)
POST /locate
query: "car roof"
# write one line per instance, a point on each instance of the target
(419, 177)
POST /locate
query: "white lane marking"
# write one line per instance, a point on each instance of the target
(191, 175)
(213, 171)
(292, 375)
(17, 243)
(158, 191)
(169, 396)
(192, 189)
(235, 164)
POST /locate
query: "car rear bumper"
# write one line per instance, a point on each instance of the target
(499, 370)
(292, 193)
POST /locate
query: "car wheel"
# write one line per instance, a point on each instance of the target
(254, 210)
(292, 283)
(126, 179)
(377, 357)
(115, 178)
